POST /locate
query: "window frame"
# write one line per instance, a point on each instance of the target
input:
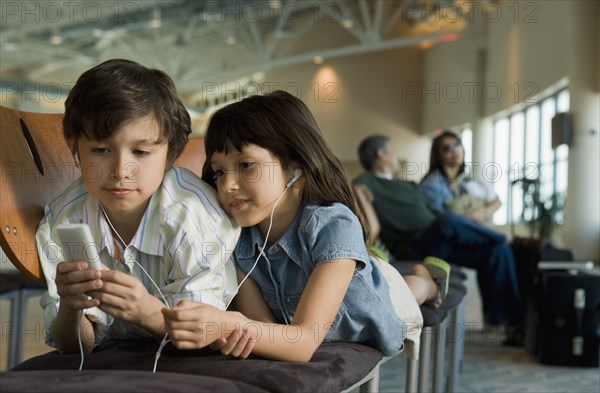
(508, 215)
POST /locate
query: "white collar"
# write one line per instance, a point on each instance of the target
(384, 175)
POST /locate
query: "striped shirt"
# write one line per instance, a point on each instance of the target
(184, 241)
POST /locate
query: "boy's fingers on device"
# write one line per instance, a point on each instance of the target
(78, 303)
(66, 267)
(77, 288)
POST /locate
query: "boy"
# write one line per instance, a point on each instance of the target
(155, 226)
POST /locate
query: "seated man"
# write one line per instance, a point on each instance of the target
(411, 230)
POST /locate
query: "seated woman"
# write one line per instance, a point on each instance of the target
(447, 187)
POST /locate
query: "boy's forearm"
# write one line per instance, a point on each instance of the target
(64, 331)
(154, 322)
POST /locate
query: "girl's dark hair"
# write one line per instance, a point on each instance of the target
(434, 156)
(109, 95)
(283, 125)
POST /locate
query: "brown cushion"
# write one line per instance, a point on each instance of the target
(66, 381)
(334, 366)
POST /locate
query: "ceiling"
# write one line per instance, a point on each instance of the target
(204, 44)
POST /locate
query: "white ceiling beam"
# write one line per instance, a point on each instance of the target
(186, 36)
(379, 6)
(284, 48)
(48, 68)
(274, 40)
(366, 17)
(354, 30)
(307, 57)
(257, 41)
(393, 20)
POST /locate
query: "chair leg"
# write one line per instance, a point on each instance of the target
(439, 363)
(372, 386)
(17, 331)
(456, 346)
(425, 358)
(412, 369)
(13, 332)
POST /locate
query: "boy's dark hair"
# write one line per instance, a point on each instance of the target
(112, 93)
(283, 125)
(367, 151)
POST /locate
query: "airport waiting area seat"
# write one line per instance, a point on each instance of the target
(442, 338)
(36, 167)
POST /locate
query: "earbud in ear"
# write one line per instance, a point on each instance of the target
(297, 174)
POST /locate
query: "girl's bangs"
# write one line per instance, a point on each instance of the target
(226, 134)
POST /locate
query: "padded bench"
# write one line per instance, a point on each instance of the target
(37, 166)
(334, 367)
(442, 331)
(125, 381)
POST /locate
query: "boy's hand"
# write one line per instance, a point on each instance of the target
(192, 325)
(73, 280)
(238, 345)
(125, 297)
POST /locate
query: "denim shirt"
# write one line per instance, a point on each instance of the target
(317, 235)
(438, 191)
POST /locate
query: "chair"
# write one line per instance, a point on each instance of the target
(36, 167)
(436, 322)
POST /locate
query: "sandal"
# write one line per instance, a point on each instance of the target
(440, 273)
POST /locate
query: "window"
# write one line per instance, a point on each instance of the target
(466, 137)
(524, 158)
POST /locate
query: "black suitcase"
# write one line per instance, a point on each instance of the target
(567, 322)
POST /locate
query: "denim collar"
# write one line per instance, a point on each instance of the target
(251, 241)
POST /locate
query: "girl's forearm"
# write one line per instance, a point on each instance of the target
(276, 341)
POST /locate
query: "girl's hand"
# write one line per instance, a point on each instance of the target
(193, 325)
(73, 280)
(238, 345)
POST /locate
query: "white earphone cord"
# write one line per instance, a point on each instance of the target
(164, 340)
(262, 249)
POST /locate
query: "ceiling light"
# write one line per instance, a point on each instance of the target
(318, 59)
(347, 19)
(230, 38)
(275, 3)
(155, 23)
(56, 37)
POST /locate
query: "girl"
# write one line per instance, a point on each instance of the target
(305, 273)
